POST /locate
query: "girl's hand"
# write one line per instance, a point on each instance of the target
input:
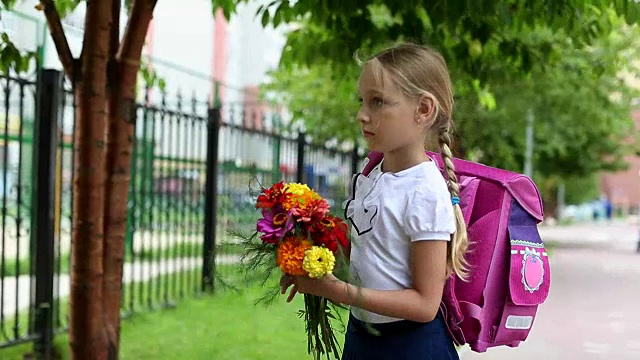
(325, 286)
(285, 282)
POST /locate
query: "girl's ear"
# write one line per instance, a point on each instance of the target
(426, 112)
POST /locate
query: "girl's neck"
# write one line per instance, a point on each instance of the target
(403, 158)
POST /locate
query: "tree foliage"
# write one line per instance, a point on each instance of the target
(580, 102)
(12, 59)
(333, 30)
(320, 98)
(507, 58)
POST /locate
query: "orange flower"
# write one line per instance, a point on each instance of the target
(301, 196)
(291, 253)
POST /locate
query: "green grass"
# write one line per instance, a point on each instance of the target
(225, 326)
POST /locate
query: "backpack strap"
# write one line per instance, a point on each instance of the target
(373, 159)
(471, 310)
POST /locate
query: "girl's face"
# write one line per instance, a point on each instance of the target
(388, 118)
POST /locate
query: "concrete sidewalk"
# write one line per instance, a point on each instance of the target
(619, 236)
(592, 311)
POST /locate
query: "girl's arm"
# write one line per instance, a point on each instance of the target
(420, 303)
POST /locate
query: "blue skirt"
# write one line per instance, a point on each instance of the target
(400, 340)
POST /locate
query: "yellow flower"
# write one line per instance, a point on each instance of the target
(318, 261)
(291, 254)
(301, 196)
(296, 189)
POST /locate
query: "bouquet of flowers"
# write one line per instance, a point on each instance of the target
(298, 236)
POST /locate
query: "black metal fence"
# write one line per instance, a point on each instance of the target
(192, 170)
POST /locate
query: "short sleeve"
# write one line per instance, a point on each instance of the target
(429, 215)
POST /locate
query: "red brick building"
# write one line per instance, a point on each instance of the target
(623, 188)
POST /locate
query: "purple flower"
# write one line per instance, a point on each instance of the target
(274, 226)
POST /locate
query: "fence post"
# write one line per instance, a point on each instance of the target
(131, 205)
(355, 160)
(211, 201)
(275, 161)
(301, 147)
(49, 95)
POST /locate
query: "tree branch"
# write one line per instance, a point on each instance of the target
(114, 39)
(59, 37)
(114, 44)
(136, 31)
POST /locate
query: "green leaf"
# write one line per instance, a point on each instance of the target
(162, 85)
(150, 77)
(8, 4)
(11, 58)
(65, 7)
(280, 13)
(265, 17)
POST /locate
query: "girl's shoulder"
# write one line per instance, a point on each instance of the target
(424, 178)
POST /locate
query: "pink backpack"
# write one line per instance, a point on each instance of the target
(509, 275)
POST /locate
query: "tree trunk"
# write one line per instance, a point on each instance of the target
(119, 146)
(87, 336)
(102, 174)
(120, 137)
(113, 254)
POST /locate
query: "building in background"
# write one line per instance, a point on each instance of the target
(622, 189)
(187, 44)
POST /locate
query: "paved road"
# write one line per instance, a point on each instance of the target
(593, 310)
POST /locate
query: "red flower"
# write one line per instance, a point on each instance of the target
(331, 231)
(272, 197)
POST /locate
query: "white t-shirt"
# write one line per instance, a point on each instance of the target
(387, 212)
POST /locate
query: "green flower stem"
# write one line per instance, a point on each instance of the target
(321, 338)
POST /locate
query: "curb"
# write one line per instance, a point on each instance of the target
(463, 350)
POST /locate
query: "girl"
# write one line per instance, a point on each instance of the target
(408, 233)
